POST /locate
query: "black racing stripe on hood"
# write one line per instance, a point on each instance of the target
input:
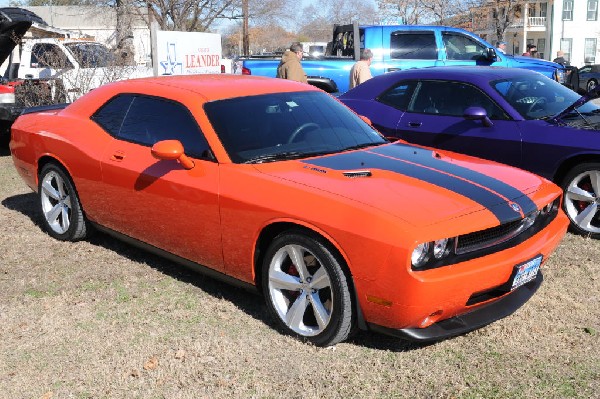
(425, 158)
(365, 160)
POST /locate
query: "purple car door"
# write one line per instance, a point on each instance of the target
(435, 117)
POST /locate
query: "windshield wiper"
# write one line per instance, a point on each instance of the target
(278, 156)
(359, 146)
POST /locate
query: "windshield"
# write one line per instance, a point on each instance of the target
(90, 55)
(537, 97)
(280, 126)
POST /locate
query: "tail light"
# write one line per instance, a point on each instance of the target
(246, 71)
(7, 94)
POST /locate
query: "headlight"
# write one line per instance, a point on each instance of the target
(430, 253)
(441, 248)
(551, 207)
(420, 255)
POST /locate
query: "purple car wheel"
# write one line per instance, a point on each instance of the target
(582, 199)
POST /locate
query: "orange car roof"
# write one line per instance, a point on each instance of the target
(221, 86)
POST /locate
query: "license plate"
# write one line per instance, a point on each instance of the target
(526, 272)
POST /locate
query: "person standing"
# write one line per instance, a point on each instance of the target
(560, 58)
(361, 71)
(531, 51)
(501, 46)
(290, 67)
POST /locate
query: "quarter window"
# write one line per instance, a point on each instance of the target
(413, 45)
(398, 96)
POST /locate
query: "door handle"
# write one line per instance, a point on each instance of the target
(415, 124)
(393, 69)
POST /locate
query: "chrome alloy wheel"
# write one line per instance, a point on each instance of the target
(582, 201)
(300, 290)
(56, 202)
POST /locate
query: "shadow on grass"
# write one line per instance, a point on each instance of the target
(248, 302)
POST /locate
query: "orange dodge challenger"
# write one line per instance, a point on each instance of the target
(276, 186)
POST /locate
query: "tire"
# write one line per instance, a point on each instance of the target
(591, 84)
(62, 214)
(309, 297)
(581, 187)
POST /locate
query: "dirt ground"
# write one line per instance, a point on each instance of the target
(100, 319)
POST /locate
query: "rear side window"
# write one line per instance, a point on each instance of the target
(399, 95)
(48, 55)
(413, 46)
(147, 120)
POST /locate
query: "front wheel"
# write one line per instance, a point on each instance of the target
(62, 214)
(306, 289)
(581, 203)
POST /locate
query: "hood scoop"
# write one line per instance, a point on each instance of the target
(357, 173)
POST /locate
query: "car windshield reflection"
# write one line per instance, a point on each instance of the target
(282, 126)
(538, 97)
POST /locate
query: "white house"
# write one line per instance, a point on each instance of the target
(99, 23)
(568, 25)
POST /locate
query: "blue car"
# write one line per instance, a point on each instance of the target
(589, 76)
(512, 116)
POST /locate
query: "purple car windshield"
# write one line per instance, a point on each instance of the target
(537, 97)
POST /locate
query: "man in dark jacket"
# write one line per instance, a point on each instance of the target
(560, 58)
(290, 67)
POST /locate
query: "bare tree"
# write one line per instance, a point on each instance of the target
(406, 12)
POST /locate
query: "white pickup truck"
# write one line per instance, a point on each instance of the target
(45, 68)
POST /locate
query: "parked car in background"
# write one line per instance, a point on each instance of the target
(400, 47)
(512, 116)
(589, 76)
(276, 186)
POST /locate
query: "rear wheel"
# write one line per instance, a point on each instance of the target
(582, 198)
(306, 289)
(62, 214)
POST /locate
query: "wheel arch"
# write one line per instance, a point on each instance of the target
(45, 160)
(269, 232)
(570, 163)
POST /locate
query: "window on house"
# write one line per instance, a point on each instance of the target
(566, 45)
(567, 10)
(592, 10)
(543, 10)
(532, 10)
(589, 52)
(541, 47)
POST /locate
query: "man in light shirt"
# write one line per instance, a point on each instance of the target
(361, 71)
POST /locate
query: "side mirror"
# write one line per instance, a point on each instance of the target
(490, 54)
(477, 114)
(169, 150)
(366, 120)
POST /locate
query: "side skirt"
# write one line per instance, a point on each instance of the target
(177, 259)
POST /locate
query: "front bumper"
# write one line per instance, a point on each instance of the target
(470, 321)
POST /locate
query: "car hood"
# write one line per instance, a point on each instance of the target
(530, 61)
(578, 103)
(418, 185)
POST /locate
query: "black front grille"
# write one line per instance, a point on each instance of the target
(487, 238)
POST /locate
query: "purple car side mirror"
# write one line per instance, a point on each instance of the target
(478, 114)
